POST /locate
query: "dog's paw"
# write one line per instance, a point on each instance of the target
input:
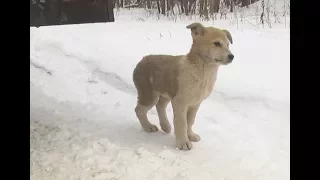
(194, 137)
(184, 145)
(151, 128)
(166, 127)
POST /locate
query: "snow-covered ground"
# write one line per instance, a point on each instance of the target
(82, 98)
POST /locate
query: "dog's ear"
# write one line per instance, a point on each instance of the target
(196, 29)
(228, 35)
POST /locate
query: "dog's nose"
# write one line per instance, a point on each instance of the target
(230, 56)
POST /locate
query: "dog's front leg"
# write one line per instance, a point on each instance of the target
(181, 125)
(191, 115)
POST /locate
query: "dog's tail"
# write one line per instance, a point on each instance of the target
(141, 79)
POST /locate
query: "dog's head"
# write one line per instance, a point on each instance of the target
(211, 44)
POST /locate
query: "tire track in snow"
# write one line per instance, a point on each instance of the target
(110, 78)
(115, 80)
(40, 67)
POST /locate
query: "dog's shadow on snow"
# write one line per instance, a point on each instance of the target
(122, 130)
(134, 136)
(131, 134)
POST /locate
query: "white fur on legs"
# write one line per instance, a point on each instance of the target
(163, 119)
(141, 112)
(181, 126)
(191, 115)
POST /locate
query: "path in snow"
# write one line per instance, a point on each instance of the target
(83, 124)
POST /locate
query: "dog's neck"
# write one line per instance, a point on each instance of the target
(194, 57)
(207, 71)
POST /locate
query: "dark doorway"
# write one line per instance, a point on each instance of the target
(59, 12)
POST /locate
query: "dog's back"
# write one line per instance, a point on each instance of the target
(156, 74)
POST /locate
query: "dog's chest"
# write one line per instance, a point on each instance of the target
(204, 85)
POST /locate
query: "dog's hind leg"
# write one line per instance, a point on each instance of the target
(147, 98)
(141, 112)
(161, 109)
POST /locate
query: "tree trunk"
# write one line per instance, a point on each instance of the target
(117, 3)
(126, 2)
(262, 14)
(191, 3)
(211, 6)
(216, 6)
(194, 8)
(181, 5)
(163, 6)
(201, 4)
(158, 6)
(186, 7)
(205, 10)
(168, 5)
(244, 3)
(149, 4)
(231, 5)
(172, 6)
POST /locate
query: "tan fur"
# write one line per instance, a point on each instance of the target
(184, 80)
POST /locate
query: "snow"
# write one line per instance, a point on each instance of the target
(82, 100)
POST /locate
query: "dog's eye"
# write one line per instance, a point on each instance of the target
(217, 43)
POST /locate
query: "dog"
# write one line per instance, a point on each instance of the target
(185, 80)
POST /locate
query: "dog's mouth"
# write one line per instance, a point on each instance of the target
(218, 61)
(221, 62)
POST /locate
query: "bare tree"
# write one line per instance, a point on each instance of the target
(148, 4)
(185, 5)
(171, 2)
(216, 6)
(181, 5)
(158, 6)
(117, 3)
(163, 6)
(245, 3)
(201, 5)
(205, 9)
(168, 5)
(231, 5)
(210, 3)
(262, 14)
